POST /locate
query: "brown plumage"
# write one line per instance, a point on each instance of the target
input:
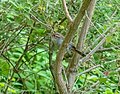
(58, 39)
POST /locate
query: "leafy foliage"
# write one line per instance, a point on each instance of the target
(24, 32)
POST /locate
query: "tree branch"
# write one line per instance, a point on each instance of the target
(16, 67)
(72, 70)
(88, 70)
(66, 11)
(73, 28)
(108, 49)
(52, 66)
(98, 45)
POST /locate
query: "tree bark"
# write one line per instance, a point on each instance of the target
(73, 28)
(72, 68)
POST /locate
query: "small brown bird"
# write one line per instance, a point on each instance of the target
(58, 38)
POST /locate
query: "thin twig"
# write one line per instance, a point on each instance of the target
(36, 19)
(66, 11)
(9, 42)
(108, 49)
(18, 62)
(92, 86)
(88, 70)
(98, 45)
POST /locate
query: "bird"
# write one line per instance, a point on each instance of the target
(58, 38)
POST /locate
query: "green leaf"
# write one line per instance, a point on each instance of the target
(108, 91)
(93, 78)
(39, 31)
(103, 80)
(10, 17)
(4, 68)
(2, 84)
(108, 39)
(30, 22)
(13, 91)
(43, 74)
(17, 84)
(29, 85)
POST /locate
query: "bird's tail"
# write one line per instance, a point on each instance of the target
(79, 52)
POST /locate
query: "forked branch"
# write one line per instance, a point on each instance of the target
(73, 28)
